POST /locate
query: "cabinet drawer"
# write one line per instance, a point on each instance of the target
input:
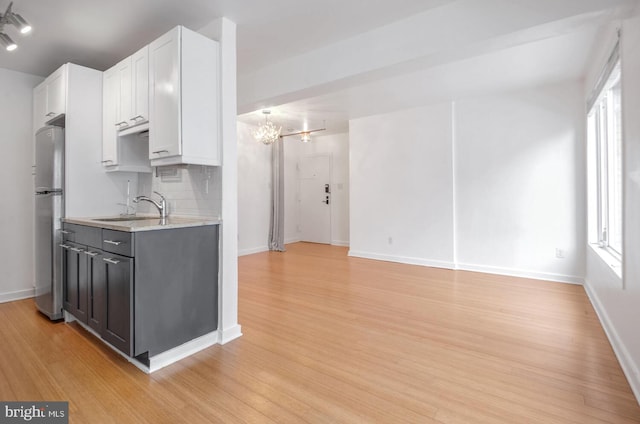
(90, 236)
(119, 242)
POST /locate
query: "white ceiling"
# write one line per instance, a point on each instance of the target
(451, 48)
(97, 33)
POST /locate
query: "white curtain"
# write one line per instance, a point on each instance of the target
(276, 227)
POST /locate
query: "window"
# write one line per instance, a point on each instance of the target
(605, 156)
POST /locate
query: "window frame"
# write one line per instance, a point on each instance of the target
(602, 110)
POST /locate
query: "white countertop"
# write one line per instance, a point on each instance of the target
(149, 222)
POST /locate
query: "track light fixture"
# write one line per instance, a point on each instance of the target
(16, 20)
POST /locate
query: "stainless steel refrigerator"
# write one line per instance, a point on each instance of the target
(49, 210)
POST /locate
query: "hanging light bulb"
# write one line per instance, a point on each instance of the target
(306, 137)
(267, 133)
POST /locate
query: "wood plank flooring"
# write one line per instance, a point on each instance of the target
(332, 339)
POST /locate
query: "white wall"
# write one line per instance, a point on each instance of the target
(487, 183)
(254, 192)
(402, 186)
(519, 183)
(618, 302)
(16, 219)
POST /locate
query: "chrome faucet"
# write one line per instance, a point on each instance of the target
(161, 205)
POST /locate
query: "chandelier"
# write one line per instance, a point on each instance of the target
(16, 20)
(267, 133)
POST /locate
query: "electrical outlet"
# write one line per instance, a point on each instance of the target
(559, 253)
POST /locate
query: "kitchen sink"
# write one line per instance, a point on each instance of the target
(125, 218)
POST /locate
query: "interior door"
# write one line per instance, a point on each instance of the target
(315, 199)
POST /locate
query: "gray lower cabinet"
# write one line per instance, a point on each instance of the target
(75, 280)
(116, 292)
(143, 292)
(98, 285)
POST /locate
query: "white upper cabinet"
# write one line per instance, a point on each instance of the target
(121, 152)
(124, 94)
(110, 106)
(50, 98)
(140, 86)
(56, 104)
(39, 106)
(184, 99)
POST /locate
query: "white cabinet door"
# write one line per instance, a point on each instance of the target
(124, 111)
(164, 99)
(56, 93)
(39, 106)
(110, 106)
(140, 86)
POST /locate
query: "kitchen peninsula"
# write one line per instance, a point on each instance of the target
(148, 287)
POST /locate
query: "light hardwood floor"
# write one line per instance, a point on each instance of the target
(331, 339)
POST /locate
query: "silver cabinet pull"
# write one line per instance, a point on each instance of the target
(65, 246)
(115, 243)
(66, 231)
(121, 123)
(106, 161)
(111, 261)
(50, 114)
(92, 254)
(135, 118)
(75, 249)
(160, 151)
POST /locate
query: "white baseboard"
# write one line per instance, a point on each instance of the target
(340, 243)
(17, 295)
(513, 272)
(629, 367)
(252, 250)
(170, 356)
(160, 360)
(229, 334)
(402, 259)
(292, 240)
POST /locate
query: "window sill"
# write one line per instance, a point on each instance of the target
(611, 261)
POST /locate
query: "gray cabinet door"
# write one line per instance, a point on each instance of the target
(118, 284)
(96, 274)
(74, 267)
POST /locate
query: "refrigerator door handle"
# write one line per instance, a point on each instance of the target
(47, 190)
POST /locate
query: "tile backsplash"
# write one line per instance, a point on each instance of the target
(189, 189)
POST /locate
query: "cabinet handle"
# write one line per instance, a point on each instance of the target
(105, 161)
(50, 114)
(122, 123)
(75, 249)
(160, 151)
(65, 246)
(111, 261)
(115, 243)
(135, 118)
(66, 231)
(92, 254)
